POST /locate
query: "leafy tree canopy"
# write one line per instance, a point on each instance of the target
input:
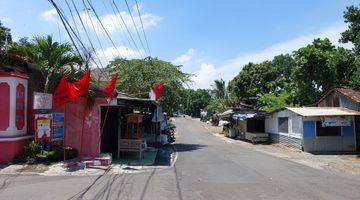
(5, 36)
(138, 76)
(53, 59)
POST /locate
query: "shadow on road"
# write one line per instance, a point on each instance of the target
(181, 147)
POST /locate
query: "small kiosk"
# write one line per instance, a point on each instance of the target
(133, 142)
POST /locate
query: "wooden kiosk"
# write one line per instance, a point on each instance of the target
(133, 142)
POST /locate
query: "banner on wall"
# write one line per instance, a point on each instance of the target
(336, 121)
(43, 127)
(58, 126)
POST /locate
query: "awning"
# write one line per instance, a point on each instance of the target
(323, 111)
(243, 116)
(226, 113)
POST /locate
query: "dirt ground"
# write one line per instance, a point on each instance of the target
(338, 163)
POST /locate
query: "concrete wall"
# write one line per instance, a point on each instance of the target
(294, 135)
(78, 117)
(314, 143)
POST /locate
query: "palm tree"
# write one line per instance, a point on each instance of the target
(53, 59)
(219, 89)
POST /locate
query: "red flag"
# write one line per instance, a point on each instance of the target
(157, 91)
(81, 87)
(62, 93)
(110, 86)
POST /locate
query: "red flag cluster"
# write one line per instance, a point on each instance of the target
(157, 91)
(67, 92)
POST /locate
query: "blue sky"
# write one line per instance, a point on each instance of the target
(211, 39)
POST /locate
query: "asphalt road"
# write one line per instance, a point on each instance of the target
(207, 167)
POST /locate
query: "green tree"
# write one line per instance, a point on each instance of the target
(352, 34)
(217, 106)
(272, 101)
(5, 36)
(253, 81)
(313, 73)
(219, 89)
(195, 100)
(52, 58)
(138, 76)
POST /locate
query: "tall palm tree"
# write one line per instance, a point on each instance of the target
(219, 89)
(52, 58)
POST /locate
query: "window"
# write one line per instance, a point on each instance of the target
(327, 131)
(283, 126)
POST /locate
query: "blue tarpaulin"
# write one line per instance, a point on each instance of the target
(242, 117)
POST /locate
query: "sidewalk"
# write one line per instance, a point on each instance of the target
(337, 163)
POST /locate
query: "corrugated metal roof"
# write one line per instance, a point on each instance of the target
(352, 94)
(322, 111)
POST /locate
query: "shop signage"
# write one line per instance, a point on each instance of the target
(42, 101)
(336, 121)
(58, 126)
(43, 127)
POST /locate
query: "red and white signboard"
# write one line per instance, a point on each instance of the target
(43, 123)
(42, 101)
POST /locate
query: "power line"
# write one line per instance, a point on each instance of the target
(123, 27)
(136, 29)
(86, 32)
(126, 27)
(67, 27)
(72, 17)
(115, 25)
(102, 25)
(142, 26)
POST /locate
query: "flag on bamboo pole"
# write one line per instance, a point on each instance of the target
(81, 87)
(62, 94)
(110, 86)
(66, 92)
(157, 91)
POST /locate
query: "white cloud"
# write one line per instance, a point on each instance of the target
(121, 51)
(50, 15)
(231, 67)
(184, 58)
(206, 73)
(113, 23)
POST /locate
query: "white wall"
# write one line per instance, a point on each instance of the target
(295, 123)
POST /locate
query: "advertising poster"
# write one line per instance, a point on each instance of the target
(58, 126)
(43, 127)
